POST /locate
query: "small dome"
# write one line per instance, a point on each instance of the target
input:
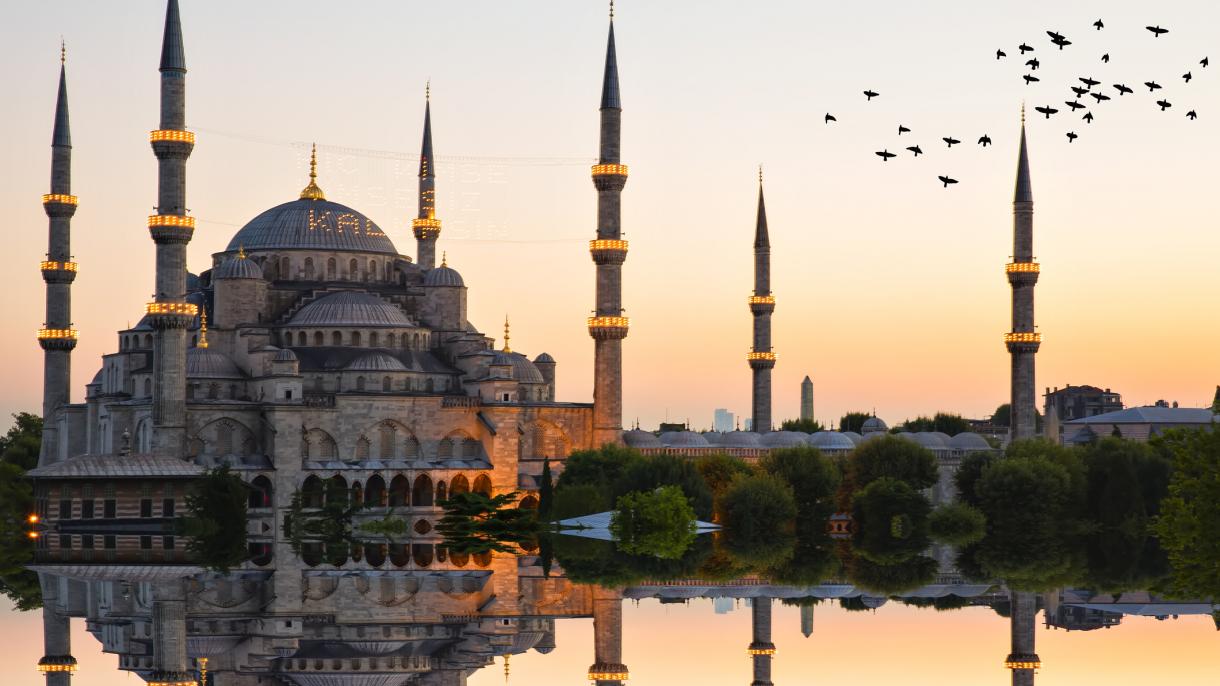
(524, 371)
(544, 358)
(784, 439)
(211, 646)
(205, 363)
(285, 355)
(970, 441)
(444, 276)
(375, 361)
(928, 440)
(350, 308)
(637, 438)
(873, 425)
(683, 439)
(238, 267)
(740, 439)
(875, 435)
(832, 441)
(855, 437)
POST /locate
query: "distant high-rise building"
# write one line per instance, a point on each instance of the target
(748, 424)
(722, 420)
(807, 399)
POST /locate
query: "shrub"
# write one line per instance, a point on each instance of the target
(957, 524)
(659, 523)
(896, 458)
(812, 476)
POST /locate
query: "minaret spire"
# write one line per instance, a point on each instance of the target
(171, 229)
(426, 226)
(1023, 340)
(761, 357)
(608, 326)
(312, 191)
(57, 337)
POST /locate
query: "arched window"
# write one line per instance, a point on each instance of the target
(372, 270)
(353, 270)
(224, 439)
(260, 492)
(389, 340)
(336, 338)
(147, 387)
(330, 269)
(311, 492)
(388, 438)
(362, 449)
(482, 559)
(148, 340)
(356, 338)
(411, 447)
(444, 449)
(301, 339)
(470, 448)
(399, 555)
(398, 491)
(421, 494)
(375, 492)
(482, 485)
(360, 383)
(459, 484)
(415, 342)
(318, 338)
(373, 340)
(442, 493)
(285, 269)
(421, 554)
(385, 384)
(309, 269)
(529, 502)
(357, 494)
(459, 559)
(375, 554)
(336, 490)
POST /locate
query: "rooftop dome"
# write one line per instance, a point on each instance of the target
(350, 308)
(238, 268)
(444, 276)
(855, 437)
(683, 439)
(872, 425)
(929, 440)
(832, 440)
(211, 646)
(544, 358)
(740, 439)
(375, 361)
(308, 224)
(205, 363)
(784, 439)
(637, 438)
(285, 355)
(524, 371)
(969, 441)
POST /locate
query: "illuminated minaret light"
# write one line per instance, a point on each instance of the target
(1023, 341)
(608, 668)
(57, 663)
(426, 226)
(170, 314)
(761, 648)
(608, 326)
(762, 304)
(57, 337)
(1022, 661)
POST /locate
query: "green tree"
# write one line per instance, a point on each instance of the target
(891, 521)
(1190, 517)
(808, 426)
(20, 446)
(215, 521)
(475, 523)
(893, 457)
(943, 422)
(889, 579)
(579, 500)
(647, 473)
(660, 523)
(546, 491)
(854, 421)
(1003, 417)
(957, 524)
(718, 471)
(18, 452)
(757, 512)
(812, 476)
(601, 468)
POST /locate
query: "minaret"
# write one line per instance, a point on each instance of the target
(57, 662)
(426, 226)
(1022, 661)
(169, 635)
(1022, 341)
(807, 399)
(761, 648)
(807, 620)
(169, 314)
(57, 337)
(762, 304)
(608, 668)
(608, 326)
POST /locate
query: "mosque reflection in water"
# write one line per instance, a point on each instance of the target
(385, 615)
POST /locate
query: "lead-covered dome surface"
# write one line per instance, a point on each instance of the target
(376, 361)
(637, 438)
(312, 225)
(205, 363)
(444, 276)
(238, 268)
(350, 308)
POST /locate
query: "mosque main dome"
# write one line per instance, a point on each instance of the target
(312, 224)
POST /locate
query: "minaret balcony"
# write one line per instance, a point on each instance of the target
(57, 663)
(1023, 661)
(1022, 273)
(1023, 341)
(171, 228)
(59, 204)
(762, 304)
(609, 177)
(607, 671)
(761, 360)
(168, 143)
(758, 648)
(58, 272)
(171, 315)
(426, 228)
(608, 328)
(608, 251)
(171, 679)
(58, 339)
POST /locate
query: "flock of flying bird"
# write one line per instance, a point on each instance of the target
(1080, 91)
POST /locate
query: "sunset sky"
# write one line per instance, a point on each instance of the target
(890, 289)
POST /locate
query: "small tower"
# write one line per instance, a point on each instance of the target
(170, 314)
(57, 337)
(608, 326)
(426, 226)
(807, 400)
(1022, 661)
(761, 648)
(762, 304)
(1023, 341)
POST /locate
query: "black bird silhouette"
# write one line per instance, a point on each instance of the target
(1187, 77)
(951, 141)
(1165, 104)
(1122, 89)
(1058, 39)
(1191, 114)
(885, 155)
(1152, 85)
(829, 118)
(902, 129)
(1079, 91)
(1203, 62)
(1099, 25)
(915, 149)
(1000, 53)
(1033, 64)
(1072, 136)
(946, 180)
(1073, 104)
(1088, 117)
(1089, 81)
(1030, 78)
(1156, 31)
(870, 94)
(1048, 111)
(1024, 48)
(1106, 58)
(1100, 96)
(985, 140)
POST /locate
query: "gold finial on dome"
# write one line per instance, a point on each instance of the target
(506, 672)
(506, 336)
(241, 252)
(63, 50)
(444, 258)
(312, 192)
(203, 329)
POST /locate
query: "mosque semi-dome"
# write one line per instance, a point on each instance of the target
(683, 439)
(375, 361)
(784, 439)
(444, 276)
(205, 363)
(969, 441)
(638, 438)
(740, 439)
(524, 371)
(312, 224)
(238, 268)
(350, 308)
